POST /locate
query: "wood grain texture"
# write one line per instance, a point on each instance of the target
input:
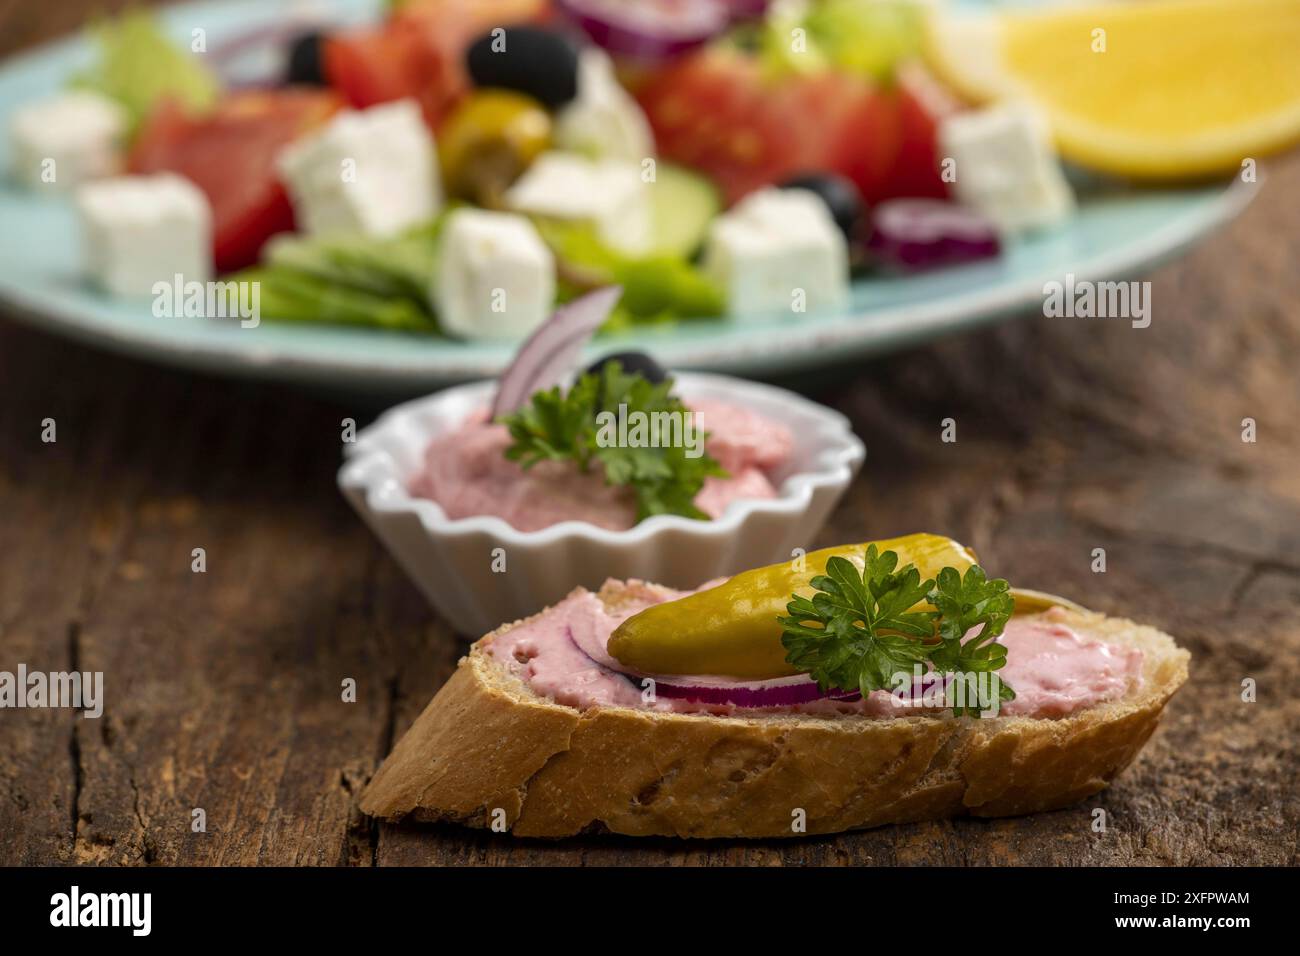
(223, 688)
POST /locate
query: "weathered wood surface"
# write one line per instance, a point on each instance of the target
(223, 687)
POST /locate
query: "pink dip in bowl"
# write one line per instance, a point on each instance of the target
(466, 472)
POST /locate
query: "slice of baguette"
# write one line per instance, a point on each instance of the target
(487, 751)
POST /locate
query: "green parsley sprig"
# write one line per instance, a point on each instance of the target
(858, 630)
(563, 426)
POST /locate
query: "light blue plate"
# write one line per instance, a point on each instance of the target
(1115, 234)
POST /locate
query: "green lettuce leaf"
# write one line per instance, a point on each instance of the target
(139, 66)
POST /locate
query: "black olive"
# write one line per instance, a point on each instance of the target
(650, 370)
(305, 64)
(839, 194)
(540, 63)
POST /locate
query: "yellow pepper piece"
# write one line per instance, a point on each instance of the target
(492, 137)
(731, 630)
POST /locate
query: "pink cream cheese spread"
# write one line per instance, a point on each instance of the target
(467, 473)
(561, 655)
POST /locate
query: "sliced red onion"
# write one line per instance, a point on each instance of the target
(781, 692)
(649, 29)
(915, 696)
(586, 639)
(552, 351)
(255, 57)
(747, 9)
(915, 234)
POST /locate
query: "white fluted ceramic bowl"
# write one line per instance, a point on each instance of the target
(452, 560)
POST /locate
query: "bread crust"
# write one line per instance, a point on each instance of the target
(488, 751)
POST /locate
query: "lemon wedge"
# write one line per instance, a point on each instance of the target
(1162, 89)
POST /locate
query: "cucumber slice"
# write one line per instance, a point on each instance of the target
(683, 203)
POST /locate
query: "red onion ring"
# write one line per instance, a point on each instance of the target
(653, 30)
(747, 9)
(780, 692)
(271, 38)
(914, 234)
(552, 351)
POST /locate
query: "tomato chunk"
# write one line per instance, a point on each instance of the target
(230, 154)
(720, 112)
(418, 52)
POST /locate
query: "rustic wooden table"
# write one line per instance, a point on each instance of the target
(223, 687)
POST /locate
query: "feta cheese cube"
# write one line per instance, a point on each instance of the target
(495, 277)
(604, 121)
(141, 230)
(777, 249)
(372, 172)
(67, 140)
(1005, 167)
(609, 193)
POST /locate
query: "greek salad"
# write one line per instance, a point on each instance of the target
(461, 166)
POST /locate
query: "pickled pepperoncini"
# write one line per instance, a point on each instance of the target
(732, 630)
